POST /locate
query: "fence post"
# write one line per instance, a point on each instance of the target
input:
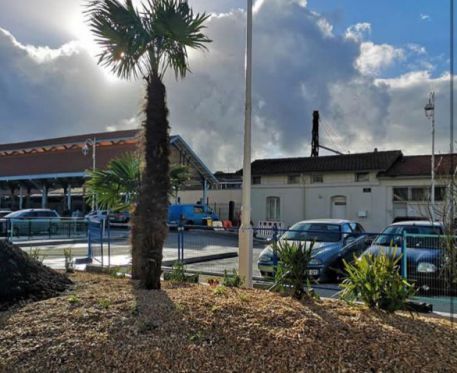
(89, 240)
(102, 232)
(404, 261)
(109, 244)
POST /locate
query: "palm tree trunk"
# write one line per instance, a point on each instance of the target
(149, 229)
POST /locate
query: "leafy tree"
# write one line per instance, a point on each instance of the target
(144, 44)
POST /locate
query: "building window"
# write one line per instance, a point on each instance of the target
(400, 194)
(366, 190)
(362, 177)
(256, 180)
(273, 208)
(317, 179)
(293, 179)
(419, 194)
(440, 193)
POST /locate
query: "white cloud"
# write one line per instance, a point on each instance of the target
(358, 32)
(424, 17)
(376, 57)
(299, 66)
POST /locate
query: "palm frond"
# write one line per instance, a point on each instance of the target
(175, 28)
(120, 31)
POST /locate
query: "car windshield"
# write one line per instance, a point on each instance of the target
(15, 214)
(319, 232)
(392, 235)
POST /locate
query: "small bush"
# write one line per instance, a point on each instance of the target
(68, 260)
(233, 280)
(104, 303)
(35, 253)
(292, 269)
(220, 290)
(376, 281)
(73, 299)
(178, 274)
(213, 282)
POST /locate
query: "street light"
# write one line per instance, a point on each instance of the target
(85, 149)
(245, 232)
(429, 109)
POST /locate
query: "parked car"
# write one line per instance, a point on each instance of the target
(190, 214)
(33, 221)
(120, 217)
(333, 240)
(96, 216)
(423, 252)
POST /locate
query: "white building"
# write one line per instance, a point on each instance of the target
(372, 188)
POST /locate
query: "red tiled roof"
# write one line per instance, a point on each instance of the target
(59, 161)
(79, 139)
(420, 165)
(377, 161)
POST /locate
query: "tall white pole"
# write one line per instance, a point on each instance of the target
(245, 233)
(94, 147)
(432, 97)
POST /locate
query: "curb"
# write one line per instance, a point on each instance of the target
(201, 259)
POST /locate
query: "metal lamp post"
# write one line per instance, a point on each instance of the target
(245, 232)
(430, 114)
(91, 142)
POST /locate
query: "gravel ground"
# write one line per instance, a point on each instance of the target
(106, 324)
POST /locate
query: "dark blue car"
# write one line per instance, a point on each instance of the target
(333, 240)
(424, 251)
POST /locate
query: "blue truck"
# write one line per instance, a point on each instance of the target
(190, 214)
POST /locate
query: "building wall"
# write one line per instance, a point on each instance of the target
(292, 202)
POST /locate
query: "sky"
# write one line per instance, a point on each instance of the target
(367, 66)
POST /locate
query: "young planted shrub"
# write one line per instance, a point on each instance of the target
(233, 280)
(376, 281)
(178, 274)
(292, 269)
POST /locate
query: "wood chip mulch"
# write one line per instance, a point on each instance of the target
(104, 324)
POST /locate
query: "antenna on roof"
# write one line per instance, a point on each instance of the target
(315, 138)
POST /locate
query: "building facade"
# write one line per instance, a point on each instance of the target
(371, 188)
(51, 173)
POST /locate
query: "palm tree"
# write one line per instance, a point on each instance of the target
(117, 186)
(179, 176)
(145, 44)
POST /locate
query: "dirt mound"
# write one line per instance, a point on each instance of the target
(22, 277)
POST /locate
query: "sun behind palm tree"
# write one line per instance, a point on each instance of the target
(144, 44)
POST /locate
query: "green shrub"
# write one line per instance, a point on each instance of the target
(104, 303)
(376, 281)
(68, 260)
(35, 253)
(233, 280)
(292, 269)
(73, 299)
(220, 290)
(178, 274)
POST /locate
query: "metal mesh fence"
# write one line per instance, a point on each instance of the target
(39, 228)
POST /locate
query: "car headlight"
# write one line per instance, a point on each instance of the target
(266, 255)
(425, 267)
(315, 262)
